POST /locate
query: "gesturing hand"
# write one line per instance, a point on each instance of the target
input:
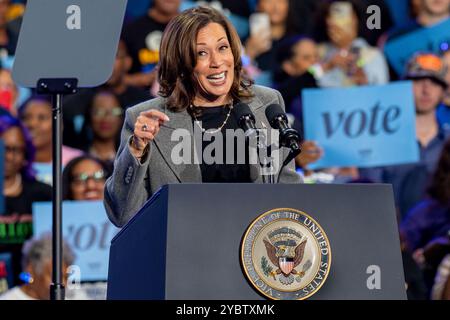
(146, 128)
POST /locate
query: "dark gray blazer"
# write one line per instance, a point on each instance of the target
(133, 183)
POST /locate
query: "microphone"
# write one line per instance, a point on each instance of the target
(245, 118)
(289, 137)
(246, 121)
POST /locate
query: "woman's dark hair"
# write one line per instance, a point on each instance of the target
(7, 122)
(439, 188)
(285, 52)
(34, 98)
(294, 25)
(178, 57)
(322, 13)
(67, 175)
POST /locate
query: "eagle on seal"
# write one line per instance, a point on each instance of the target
(286, 265)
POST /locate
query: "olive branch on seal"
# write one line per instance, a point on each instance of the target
(266, 268)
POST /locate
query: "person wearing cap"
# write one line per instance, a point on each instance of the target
(427, 72)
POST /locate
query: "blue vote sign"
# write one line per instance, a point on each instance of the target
(362, 126)
(86, 229)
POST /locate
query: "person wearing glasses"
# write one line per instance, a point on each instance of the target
(84, 179)
(20, 189)
(104, 119)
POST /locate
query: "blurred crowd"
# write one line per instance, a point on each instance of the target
(289, 45)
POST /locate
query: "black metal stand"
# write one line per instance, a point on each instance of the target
(295, 151)
(57, 88)
(266, 162)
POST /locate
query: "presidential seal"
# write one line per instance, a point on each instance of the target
(286, 255)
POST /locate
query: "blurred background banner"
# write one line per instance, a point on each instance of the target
(365, 126)
(86, 229)
(432, 39)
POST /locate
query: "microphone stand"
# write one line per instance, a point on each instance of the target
(294, 151)
(267, 163)
(246, 121)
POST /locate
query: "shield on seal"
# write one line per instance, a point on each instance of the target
(286, 264)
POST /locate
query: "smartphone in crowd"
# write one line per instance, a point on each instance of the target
(259, 24)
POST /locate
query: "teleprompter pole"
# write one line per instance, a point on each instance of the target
(57, 88)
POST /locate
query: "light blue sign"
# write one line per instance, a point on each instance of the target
(44, 172)
(433, 39)
(87, 230)
(362, 126)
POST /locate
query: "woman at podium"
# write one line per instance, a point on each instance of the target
(183, 136)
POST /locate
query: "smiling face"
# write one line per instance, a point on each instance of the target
(214, 70)
(88, 181)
